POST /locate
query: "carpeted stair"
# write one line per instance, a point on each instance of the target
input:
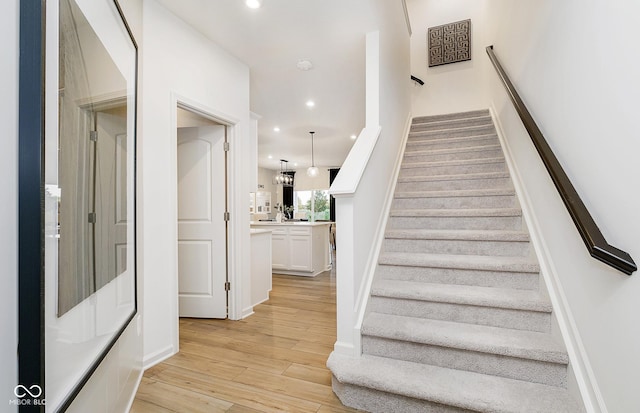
(457, 319)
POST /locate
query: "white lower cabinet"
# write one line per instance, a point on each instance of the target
(299, 249)
(280, 251)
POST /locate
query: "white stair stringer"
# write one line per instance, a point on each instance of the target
(458, 319)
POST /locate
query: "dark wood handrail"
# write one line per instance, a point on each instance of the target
(597, 245)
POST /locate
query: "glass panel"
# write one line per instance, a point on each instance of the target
(316, 201)
(92, 162)
(321, 205)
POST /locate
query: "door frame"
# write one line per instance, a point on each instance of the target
(234, 299)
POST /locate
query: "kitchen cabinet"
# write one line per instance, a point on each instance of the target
(298, 248)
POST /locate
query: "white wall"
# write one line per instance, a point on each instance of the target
(9, 206)
(576, 68)
(265, 178)
(453, 87)
(181, 64)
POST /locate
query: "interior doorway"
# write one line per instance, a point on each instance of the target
(202, 215)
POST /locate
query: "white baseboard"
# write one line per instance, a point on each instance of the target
(585, 378)
(343, 348)
(249, 311)
(158, 357)
(132, 397)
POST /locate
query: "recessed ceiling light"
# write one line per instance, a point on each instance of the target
(304, 64)
(253, 4)
(310, 103)
(276, 129)
(353, 137)
(295, 164)
(270, 157)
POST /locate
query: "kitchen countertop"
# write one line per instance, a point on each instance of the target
(259, 231)
(297, 223)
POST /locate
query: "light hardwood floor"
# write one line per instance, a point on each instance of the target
(273, 361)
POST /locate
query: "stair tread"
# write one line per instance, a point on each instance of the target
(478, 262)
(417, 142)
(456, 162)
(462, 294)
(432, 132)
(486, 339)
(463, 389)
(446, 151)
(445, 117)
(454, 177)
(457, 212)
(455, 193)
(460, 234)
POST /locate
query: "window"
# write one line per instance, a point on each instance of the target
(315, 200)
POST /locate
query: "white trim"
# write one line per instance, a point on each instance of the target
(406, 16)
(354, 166)
(249, 310)
(234, 296)
(585, 378)
(132, 397)
(158, 357)
(372, 261)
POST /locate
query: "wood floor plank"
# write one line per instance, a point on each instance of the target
(202, 364)
(236, 392)
(278, 384)
(163, 394)
(272, 361)
(141, 406)
(309, 373)
(318, 348)
(233, 357)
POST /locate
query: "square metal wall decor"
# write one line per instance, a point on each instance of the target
(449, 43)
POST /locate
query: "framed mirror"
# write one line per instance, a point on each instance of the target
(87, 257)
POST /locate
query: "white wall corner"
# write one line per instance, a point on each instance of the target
(584, 375)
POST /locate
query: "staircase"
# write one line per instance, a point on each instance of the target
(458, 318)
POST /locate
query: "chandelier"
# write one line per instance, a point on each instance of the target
(283, 178)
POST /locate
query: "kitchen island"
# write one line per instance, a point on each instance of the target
(298, 247)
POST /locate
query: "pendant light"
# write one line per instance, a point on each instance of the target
(313, 169)
(283, 178)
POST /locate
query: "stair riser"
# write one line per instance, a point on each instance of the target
(471, 223)
(416, 144)
(418, 156)
(457, 123)
(376, 401)
(450, 116)
(458, 247)
(515, 280)
(551, 374)
(431, 170)
(453, 133)
(489, 201)
(463, 313)
(448, 185)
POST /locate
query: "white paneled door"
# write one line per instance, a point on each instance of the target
(201, 225)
